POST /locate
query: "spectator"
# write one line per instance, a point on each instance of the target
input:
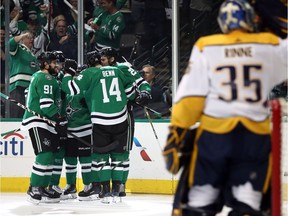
(157, 93)
(23, 65)
(69, 14)
(41, 34)
(109, 26)
(62, 40)
(149, 74)
(35, 10)
(99, 10)
(17, 25)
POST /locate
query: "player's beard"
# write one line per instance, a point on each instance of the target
(52, 71)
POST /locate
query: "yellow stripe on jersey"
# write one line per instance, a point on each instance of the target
(237, 37)
(225, 125)
(187, 111)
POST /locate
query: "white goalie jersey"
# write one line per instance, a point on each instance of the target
(235, 73)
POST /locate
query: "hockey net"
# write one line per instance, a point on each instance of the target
(280, 157)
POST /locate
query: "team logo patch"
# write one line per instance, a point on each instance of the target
(48, 77)
(46, 142)
(119, 19)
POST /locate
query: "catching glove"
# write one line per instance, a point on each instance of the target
(143, 98)
(61, 126)
(178, 148)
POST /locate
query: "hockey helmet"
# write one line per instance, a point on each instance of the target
(109, 52)
(236, 14)
(70, 66)
(59, 55)
(46, 57)
(93, 58)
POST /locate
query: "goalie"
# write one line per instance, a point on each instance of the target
(225, 87)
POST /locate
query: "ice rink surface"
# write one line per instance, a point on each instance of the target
(131, 205)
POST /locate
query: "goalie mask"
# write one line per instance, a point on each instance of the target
(236, 14)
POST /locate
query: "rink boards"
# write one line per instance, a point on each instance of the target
(147, 167)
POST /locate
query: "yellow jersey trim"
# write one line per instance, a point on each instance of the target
(237, 37)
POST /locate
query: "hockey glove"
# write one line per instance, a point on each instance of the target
(70, 67)
(178, 148)
(61, 126)
(143, 98)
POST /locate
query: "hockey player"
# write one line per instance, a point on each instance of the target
(106, 93)
(59, 155)
(44, 99)
(79, 123)
(109, 57)
(225, 86)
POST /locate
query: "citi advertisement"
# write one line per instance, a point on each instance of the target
(12, 144)
(146, 161)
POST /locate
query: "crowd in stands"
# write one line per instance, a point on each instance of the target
(36, 26)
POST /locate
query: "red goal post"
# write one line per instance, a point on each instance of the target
(279, 179)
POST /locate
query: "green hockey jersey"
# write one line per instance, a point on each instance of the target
(111, 27)
(23, 63)
(43, 98)
(106, 93)
(78, 115)
(140, 82)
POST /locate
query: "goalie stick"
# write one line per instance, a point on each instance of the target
(107, 148)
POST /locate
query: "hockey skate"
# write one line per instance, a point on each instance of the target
(91, 192)
(122, 192)
(50, 196)
(105, 195)
(34, 195)
(116, 186)
(55, 189)
(70, 192)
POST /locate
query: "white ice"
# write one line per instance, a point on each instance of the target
(132, 205)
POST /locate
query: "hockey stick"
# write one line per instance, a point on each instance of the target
(150, 121)
(10, 132)
(159, 115)
(40, 116)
